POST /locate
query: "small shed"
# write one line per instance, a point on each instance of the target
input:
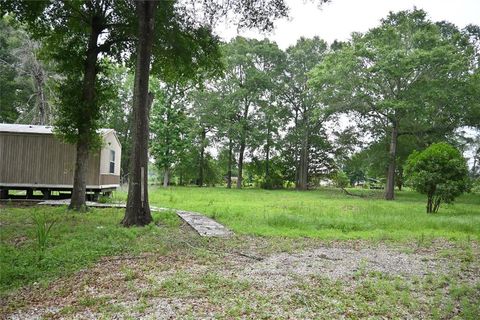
(33, 158)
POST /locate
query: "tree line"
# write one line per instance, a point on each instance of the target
(246, 112)
(170, 39)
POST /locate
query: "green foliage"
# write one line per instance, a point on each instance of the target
(171, 128)
(306, 147)
(66, 29)
(117, 112)
(341, 179)
(69, 117)
(440, 172)
(43, 225)
(25, 79)
(408, 76)
(276, 178)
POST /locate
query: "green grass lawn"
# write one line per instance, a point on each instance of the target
(75, 241)
(326, 213)
(288, 221)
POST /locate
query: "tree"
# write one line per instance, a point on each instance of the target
(24, 78)
(408, 76)
(117, 114)
(271, 115)
(181, 44)
(74, 35)
(138, 208)
(249, 91)
(170, 128)
(306, 110)
(440, 172)
(13, 92)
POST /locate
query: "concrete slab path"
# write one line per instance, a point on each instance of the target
(203, 225)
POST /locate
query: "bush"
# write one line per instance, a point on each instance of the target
(341, 179)
(440, 172)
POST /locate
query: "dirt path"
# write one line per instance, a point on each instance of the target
(261, 280)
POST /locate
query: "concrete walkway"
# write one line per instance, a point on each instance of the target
(203, 225)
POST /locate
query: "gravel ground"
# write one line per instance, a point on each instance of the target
(276, 275)
(337, 263)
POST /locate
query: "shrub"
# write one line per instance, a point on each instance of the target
(440, 172)
(341, 179)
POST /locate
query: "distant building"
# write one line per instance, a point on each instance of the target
(32, 158)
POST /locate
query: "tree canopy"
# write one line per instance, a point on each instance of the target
(409, 76)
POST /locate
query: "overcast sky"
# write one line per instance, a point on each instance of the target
(338, 19)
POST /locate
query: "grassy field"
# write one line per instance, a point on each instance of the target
(89, 263)
(326, 214)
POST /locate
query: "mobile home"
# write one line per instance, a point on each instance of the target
(33, 158)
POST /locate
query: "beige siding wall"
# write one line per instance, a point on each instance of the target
(110, 143)
(41, 159)
(107, 179)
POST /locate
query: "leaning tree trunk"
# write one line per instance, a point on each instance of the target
(390, 187)
(138, 208)
(78, 201)
(229, 172)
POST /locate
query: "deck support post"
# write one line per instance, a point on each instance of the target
(46, 194)
(3, 193)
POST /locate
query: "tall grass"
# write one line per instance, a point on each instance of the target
(43, 226)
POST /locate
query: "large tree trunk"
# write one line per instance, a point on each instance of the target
(303, 167)
(390, 187)
(138, 209)
(201, 165)
(78, 201)
(268, 184)
(240, 164)
(243, 141)
(399, 179)
(297, 159)
(229, 172)
(302, 183)
(166, 173)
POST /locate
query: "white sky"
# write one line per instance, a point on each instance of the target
(338, 19)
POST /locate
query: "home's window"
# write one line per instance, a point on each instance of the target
(112, 161)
